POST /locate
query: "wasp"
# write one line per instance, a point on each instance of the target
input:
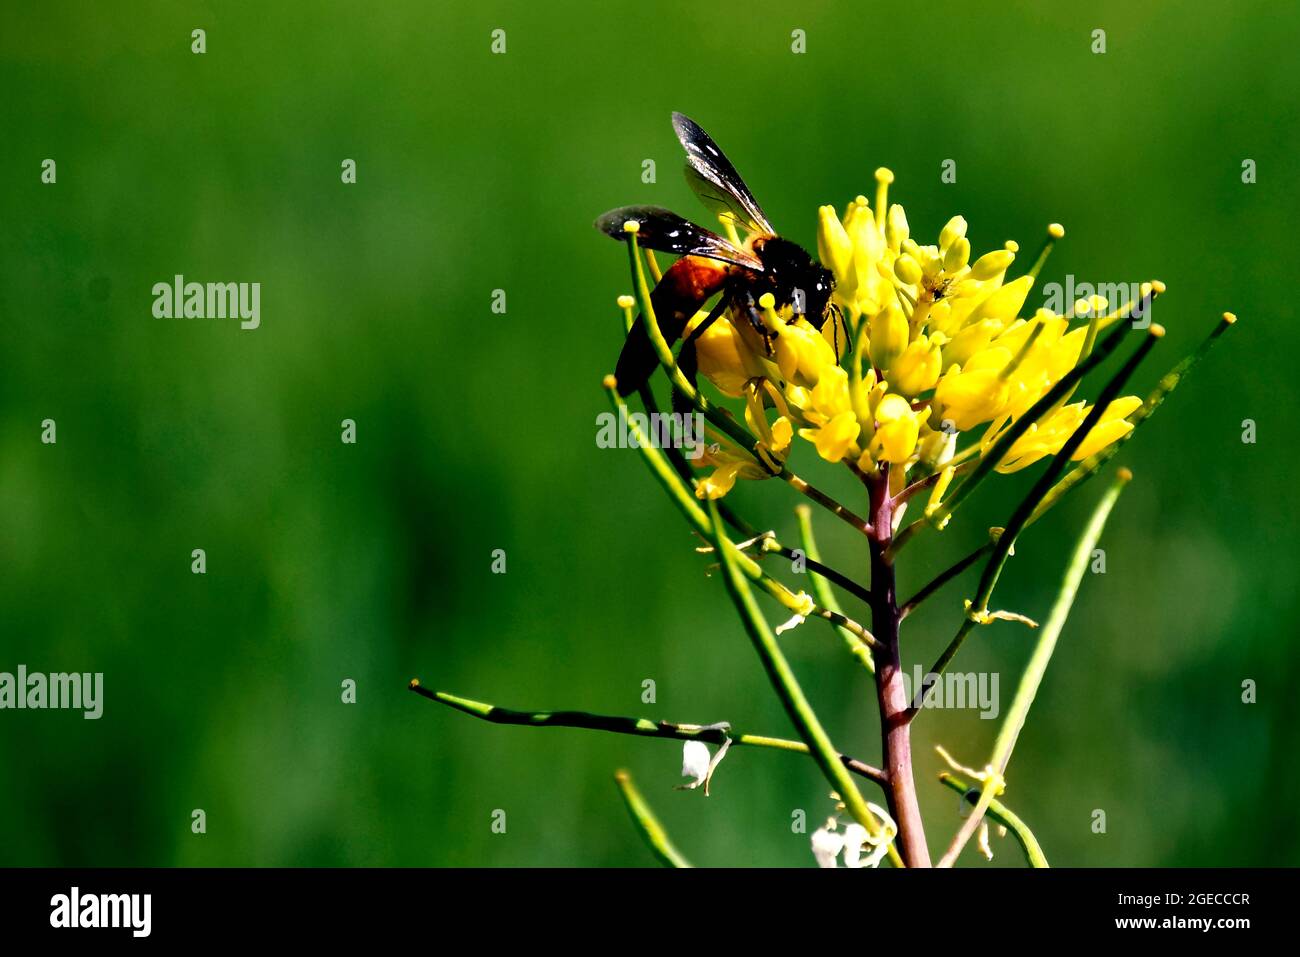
(710, 265)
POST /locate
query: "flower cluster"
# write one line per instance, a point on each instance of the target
(939, 348)
(829, 843)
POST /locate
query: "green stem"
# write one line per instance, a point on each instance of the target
(1089, 467)
(1004, 816)
(825, 501)
(1024, 512)
(1170, 381)
(686, 502)
(638, 727)
(1020, 518)
(822, 589)
(675, 457)
(819, 568)
(647, 823)
(942, 579)
(787, 686)
(891, 694)
(1054, 233)
(1037, 667)
(683, 469)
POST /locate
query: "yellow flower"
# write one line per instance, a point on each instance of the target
(835, 439)
(917, 369)
(833, 429)
(1112, 427)
(723, 356)
(967, 301)
(1040, 352)
(888, 333)
(830, 397)
(802, 353)
(970, 340)
(728, 466)
(1047, 436)
(940, 349)
(774, 439)
(1008, 373)
(967, 399)
(897, 428)
(719, 483)
(851, 249)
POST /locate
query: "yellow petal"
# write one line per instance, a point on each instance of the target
(833, 245)
(895, 441)
(1113, 426)
(992, 264)
(887, 332)
(719, 483)
(724, 358)
(836, 438)
(1006, 302)
(969, 398)
(916, 369)
(782, 432)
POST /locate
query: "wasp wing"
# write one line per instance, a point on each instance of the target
(715, 181)
(664, 230)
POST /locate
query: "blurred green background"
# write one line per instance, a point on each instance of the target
(476, 431)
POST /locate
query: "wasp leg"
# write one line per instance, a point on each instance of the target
(841, 327)
(756, 320)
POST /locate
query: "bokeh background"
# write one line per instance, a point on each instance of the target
(476, 431)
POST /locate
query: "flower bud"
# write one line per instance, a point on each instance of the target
(969, 341)
(956, 255)
(931, 262)
(833, 243)
(1005, 303)
(887, 335)
(725, 359)
(916, 369)
(862, 288)
(991, 264)
(802, 353)
(836, 438)
(895, 227)
(907, 269)
(937, 447)
(953, 231)
(897, 430)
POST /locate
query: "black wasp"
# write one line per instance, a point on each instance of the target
(710, 264)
